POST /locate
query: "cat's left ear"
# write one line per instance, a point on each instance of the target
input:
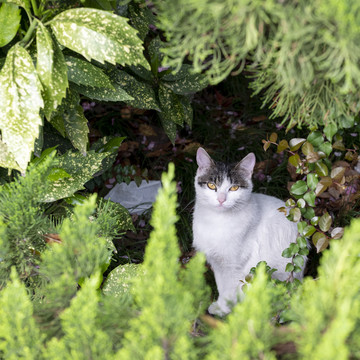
(203, 159)
(246, 165)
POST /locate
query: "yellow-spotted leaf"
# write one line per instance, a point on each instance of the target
(171, 105)
(51, 69)
(99, 35)
(7, 160)
(9, 22)
(71, 114)
(82, 72)
(21, 100)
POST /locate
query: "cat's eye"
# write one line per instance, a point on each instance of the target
(211, 186)
(234, 188)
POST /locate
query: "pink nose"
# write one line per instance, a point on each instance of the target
(221, 198)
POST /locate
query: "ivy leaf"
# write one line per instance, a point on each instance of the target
(337, 233)
(82, 72)
(307, 148)
(295, 214)
(9, 22)
(80, 168)
(301, 242)
(308, 231)
(286, 253)
(99, 35)
(71, 114)
(294, 160)
(326, 147)
(309, 213)
(320, 241)
(51, 69)
(294, 248)
(283, 144)
(143, 94)
(20, 94)
(299, 188)
(325, 222)
(289, 267)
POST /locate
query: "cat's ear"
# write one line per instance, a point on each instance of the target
(246, 165)
(203, 159)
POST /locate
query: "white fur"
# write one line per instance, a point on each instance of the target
(235, 238)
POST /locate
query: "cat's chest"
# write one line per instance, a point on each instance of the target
(220, 236)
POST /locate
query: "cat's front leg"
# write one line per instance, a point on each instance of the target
(228, 282)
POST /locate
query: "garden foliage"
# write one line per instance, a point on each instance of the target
(156, 316)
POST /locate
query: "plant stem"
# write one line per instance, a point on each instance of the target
(35, 8)
(29, 33)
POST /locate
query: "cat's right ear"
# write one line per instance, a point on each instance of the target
(203, 159)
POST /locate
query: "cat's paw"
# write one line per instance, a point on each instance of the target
(216, 309)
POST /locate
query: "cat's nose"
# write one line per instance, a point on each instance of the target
(221, 198)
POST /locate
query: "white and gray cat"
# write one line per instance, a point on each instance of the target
(236, 228)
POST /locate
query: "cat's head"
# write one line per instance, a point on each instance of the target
(220, 186)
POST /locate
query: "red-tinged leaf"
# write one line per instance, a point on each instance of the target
(337, 173)
(325, 222)
(337, 233)
(273, 137)
(320, 241)
(283, 144)
(296, 143)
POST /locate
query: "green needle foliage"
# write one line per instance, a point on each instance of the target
(168, 305)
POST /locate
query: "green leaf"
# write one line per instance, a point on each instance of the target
(310, 198)
(301, 242)
(304, 251)
(295, 214)
(308, 231)
(301, 225)
(312, 180)
(119, 281)
(326, 147)
(321, 169)
(141, 18)
(20, 94)
(7, 160)
(289, 267)
(309, 213)
(112, 145)
(296, 143)
(315, 138)
(51, 69)
(330, 130)
(143, 94)
(169, 127)
(325, 222)
(57, 174)
(286, 253)
(81, 168)
(320, 241)
(283, 145)
(82, 72)
(307, 148)
(299, 188)
(298, 261)
(290, 203)
(294, 248)
(187, 84)
(9, 22)
(99, 35)
(337, 173)
(23, 3)
(171, 105)
(188, 109)
(117, 93)
(294, 160)
(72, 115)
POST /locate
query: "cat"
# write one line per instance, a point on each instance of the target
(236, 228)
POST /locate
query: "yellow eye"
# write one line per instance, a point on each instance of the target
(234, 188)
(211, 186)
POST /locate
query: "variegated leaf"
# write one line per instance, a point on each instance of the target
(143, 94)
(171, 105)
(82, 72)
(23, 3)
(115, 94)
(169, 126)
(20, 94)
(7, 160)
(9, 22)
(81, 169)
(141, 18)
(74, 121)
(51, 69)
(99, 35)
